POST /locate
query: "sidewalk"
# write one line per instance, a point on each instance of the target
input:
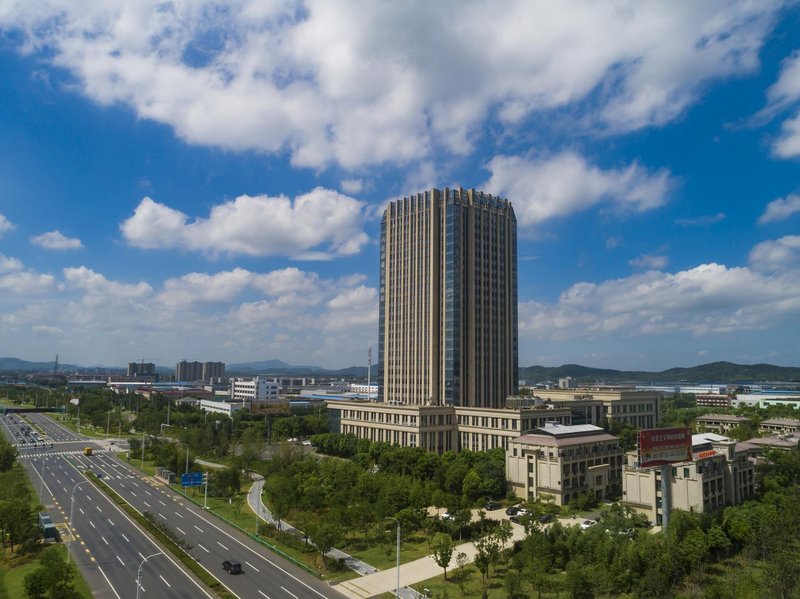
(257, 505)
(410, 573)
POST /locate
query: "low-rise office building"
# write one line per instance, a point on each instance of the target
(254, 389)
(591, 405)
(229, 408)
(719, 474)
(720, 423)
(565, 462)
(780, 426)
(713, 400)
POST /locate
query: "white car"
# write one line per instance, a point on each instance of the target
(587, 524)
(307, 443)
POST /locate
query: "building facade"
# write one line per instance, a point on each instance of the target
(254, 389)
(589, 405)
(199, 371)
(448, 300)
(720, 423)
(141, 368)
(719, 474)
(565, 462)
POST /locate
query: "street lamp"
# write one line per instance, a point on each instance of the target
(187, 454)
(71, 512)
(397, 589)
(139, 573)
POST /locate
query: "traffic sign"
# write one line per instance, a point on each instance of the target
(192, 479)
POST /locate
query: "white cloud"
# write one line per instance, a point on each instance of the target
(782, 96)
(780, 209)
(776, 254)
(55, 240)
(5, 225)
(26, 283)
(563, 184)
(95, 284)
(701, 221)
(707, 299)
(649, 261)
(8, 263)
(352, 185)
(256, 226)
(370, 83)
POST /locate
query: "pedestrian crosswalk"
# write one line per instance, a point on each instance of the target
(45, 454)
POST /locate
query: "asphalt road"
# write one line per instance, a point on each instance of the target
(107, 546)
(266, 575)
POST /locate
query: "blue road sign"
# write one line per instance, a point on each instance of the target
(192, 479)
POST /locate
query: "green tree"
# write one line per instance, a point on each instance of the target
(53, 579)
(8, 455)
(443, 548)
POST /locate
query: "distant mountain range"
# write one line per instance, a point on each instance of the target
(713, 372)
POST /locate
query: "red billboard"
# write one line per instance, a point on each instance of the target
(661, 446)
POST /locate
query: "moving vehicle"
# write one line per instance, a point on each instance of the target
(87, 451)
(232, 567)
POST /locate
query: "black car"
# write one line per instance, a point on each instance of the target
(546, 518)
(512, 511)
(232, 567)
(493, 505)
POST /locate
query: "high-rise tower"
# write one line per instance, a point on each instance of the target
(448, 300)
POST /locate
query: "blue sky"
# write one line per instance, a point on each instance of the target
(204, 180)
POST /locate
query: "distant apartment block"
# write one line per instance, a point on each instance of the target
(141, 368)
(719, 474)
(199, 371)
(565, 462)
(713, 400)
(254, 389)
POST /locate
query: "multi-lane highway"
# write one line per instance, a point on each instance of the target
(265, 574)
(103, 541)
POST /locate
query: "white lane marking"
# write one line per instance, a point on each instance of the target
(162, 515)
(288, 591)
(165, 581)
(132, 493)
(80, 509)
(178, 528)
(135, 483)
(177, 513)
(124, 537)
(198, 528)
(161, 502)
(120, 560)
(203, 548)
(251, 565)
(147, 504)
(110, 522)
(92, 524)
(104, 540)
(148, 492)
(99, 509)
(263, 595)
(223, 546)
(109, 582)
(140, 554)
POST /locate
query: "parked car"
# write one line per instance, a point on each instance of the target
(587, 524)
(307, 443)
(515, 519)
(546, 518)
(447, 516)
(512, 511)
(232, 567)
(493, 505)
(523, 512)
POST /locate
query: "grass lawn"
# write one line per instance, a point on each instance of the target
(383, 555)
(12, 583)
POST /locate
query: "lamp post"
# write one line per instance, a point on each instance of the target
(186, 445)
(71, 512)
(397, 589)
(139, 573)
(142, 450)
